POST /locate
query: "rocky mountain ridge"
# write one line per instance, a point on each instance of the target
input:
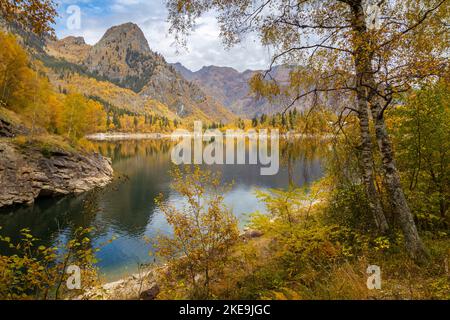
(231, 87)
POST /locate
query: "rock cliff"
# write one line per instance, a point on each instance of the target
(26, 174)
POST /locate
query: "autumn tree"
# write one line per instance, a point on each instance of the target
(24, 88)
(95, 117)
(81, 116)
(15, 74)
(34, 15)
(364, 53)
(421, 132)
(53, 113)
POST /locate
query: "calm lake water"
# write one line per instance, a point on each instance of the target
(126, 208)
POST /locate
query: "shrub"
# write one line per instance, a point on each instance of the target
(37, 272)
(204, 231)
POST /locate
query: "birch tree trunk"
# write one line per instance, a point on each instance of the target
(367, 97)
(392, 182)
(367, 161)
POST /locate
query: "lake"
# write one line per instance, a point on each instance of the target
(126, 209)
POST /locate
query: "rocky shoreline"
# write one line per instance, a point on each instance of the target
(27, 174)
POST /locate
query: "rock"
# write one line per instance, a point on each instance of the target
(9, 130)
(5, 129)
(25, 174)
(150, 294)
(252, 234)
(141, 286)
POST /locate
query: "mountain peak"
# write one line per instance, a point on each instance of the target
(127, 35)
(185, 72)
(73, 40)
(213, 71)
(123, 56)
(72, 49)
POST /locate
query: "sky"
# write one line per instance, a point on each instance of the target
(204, 48)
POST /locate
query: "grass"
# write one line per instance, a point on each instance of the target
(11, 117)
(268, 274)
(47, 144)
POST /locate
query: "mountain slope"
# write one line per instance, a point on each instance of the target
(123, 57)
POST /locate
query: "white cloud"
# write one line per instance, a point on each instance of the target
(204, 45)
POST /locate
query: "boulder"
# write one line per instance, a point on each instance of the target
(151, 293)
(252, 234)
